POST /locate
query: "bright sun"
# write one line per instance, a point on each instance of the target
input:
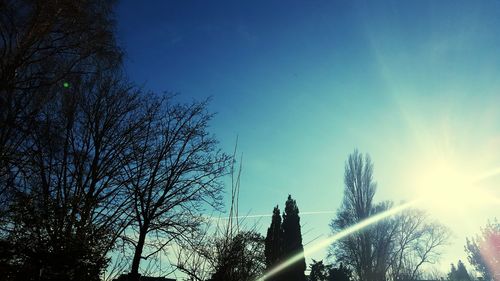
(444, 188)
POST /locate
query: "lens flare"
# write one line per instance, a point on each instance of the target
(328, 241)
(490, 251)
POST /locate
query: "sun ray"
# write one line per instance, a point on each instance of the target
(488, 174)
(328, 241)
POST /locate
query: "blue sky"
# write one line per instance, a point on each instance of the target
(304, 83)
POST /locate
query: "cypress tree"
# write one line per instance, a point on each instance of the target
(274, 242)
(453, 272)
(292, 241)
(461, 273)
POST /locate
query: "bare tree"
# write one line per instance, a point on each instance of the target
(357, 250)
(217, 258)
(241, 259)
(394, 248)
(418, 241)
(68, 207)
(174, 172)
(226, 249)
(193, 257)
(42, 45)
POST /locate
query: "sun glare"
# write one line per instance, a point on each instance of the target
(444, 188)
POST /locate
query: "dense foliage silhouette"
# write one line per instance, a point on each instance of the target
(284, 240)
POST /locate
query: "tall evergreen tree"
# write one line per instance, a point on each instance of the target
(292, 241)
(459, 273)
(274, 241)
(452, 273)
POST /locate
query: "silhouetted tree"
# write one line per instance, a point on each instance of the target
(284, 240)
(175, 171)
(322, 272)
(452, 273)
(395, 247)
(319, 272)
(292, 241)
(357, 249)
(274, 240)
(340, 273)
(59, 140)
(228, 254)
(274, 252)
(219, 258)
(44, 44)
(242, 260)
(68, 209)
(458, 273)
(417, 240)
(484, 251)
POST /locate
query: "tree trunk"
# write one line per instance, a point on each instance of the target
(134, 272)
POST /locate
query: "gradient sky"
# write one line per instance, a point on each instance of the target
(304, 83)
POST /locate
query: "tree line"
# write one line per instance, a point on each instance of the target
(397, 248)
(98, 176)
